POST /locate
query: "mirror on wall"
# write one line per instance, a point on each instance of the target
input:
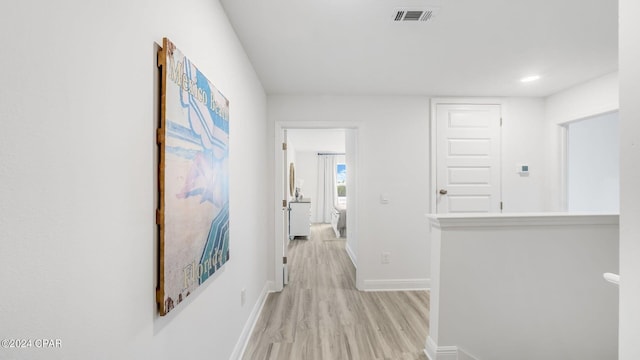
(292, 179)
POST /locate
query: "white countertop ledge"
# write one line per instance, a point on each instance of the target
(520, 219)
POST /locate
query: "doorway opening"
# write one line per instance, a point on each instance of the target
(316, 167)
(592, 164)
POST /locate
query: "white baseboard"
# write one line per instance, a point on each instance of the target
(435, 352)
(352, 256)
(463, 355)
(396, 285)
(245, 335)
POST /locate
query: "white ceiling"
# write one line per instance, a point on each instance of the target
(471, 48)
(317, 140)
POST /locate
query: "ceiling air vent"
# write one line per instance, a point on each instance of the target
(414, 14)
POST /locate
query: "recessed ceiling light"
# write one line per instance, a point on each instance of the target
(530, 78)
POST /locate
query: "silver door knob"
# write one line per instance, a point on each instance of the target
(443, 192)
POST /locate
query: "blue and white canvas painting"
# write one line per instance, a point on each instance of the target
(194, 179)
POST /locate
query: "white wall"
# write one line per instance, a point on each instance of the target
(525, 286)
(597, 96)
(593, 97)
(393, 149)
(307, 167)
(593, 164)
(523, 142)
(629, 180)
(78, 163)
(321, 140)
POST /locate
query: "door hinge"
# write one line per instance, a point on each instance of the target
(500, 122)
(284, 260)
(284, 203)
(284, 146)
(500, 205)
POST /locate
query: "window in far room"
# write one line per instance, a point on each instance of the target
(341, 184)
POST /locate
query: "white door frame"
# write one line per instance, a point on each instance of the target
(434, 154)
(352, 209)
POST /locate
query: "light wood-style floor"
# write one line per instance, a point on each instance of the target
(321, 316)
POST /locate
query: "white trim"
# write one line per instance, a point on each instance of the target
(278, 227)
(443, 221)
(396, 285)
(245, 335)
(352, 157)
(600, 112)
(352, 256)
(433, 158)
(279, 127)
(463, 355)
(427, 354)
(434, 352)
(564, 181)
(432, 129)
(468, 100)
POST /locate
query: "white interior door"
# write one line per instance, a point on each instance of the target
(468, 158)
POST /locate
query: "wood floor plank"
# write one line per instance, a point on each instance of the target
(320, 315)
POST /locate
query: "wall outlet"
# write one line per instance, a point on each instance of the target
(385, 257)
(243, 296)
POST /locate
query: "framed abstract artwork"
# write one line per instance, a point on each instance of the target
(193, 179)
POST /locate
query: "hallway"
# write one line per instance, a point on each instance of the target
(321, 315)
